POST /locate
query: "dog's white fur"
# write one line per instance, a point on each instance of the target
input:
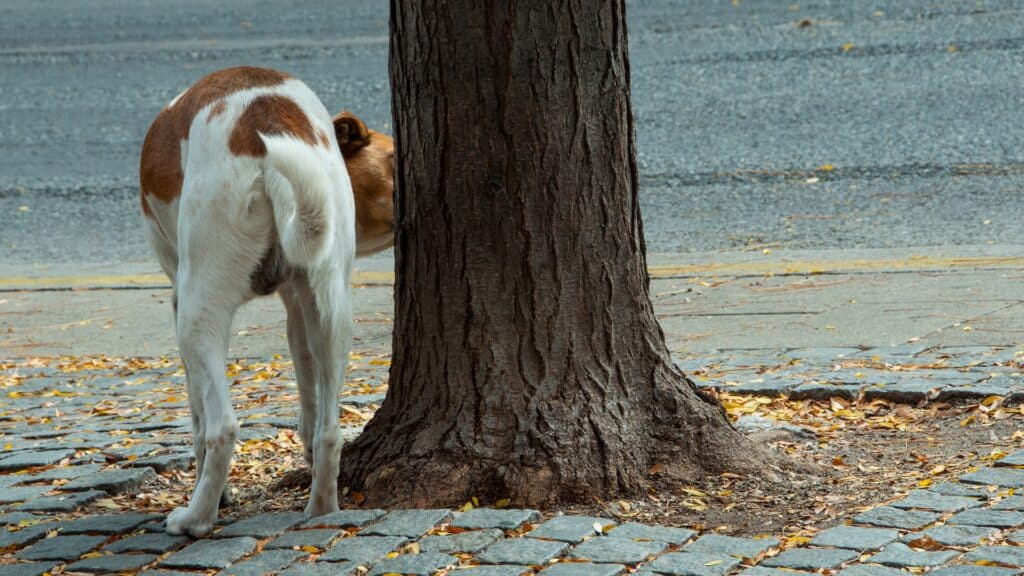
(231, 212)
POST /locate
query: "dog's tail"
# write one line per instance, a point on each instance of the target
(299, 188)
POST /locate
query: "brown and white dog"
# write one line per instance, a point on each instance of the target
(249, 187)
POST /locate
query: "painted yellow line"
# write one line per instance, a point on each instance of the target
(746, 268)
(767, 267)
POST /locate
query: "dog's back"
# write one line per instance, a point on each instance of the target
(245, 147)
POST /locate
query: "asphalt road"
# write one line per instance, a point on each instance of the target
(915, 104)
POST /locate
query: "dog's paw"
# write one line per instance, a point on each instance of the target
(184, 521)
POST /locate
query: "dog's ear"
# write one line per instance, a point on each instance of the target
(351, 133)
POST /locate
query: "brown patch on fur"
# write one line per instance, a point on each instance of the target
(217, 110)
(372, 171)
(269, 114)
(323, 138)
(160, 173)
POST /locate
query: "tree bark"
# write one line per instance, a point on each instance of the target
(527, 362)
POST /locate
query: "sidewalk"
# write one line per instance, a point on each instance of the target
(94, 451)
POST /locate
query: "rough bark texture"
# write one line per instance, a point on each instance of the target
(528, 363)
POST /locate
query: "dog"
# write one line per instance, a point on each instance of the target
(249, 187)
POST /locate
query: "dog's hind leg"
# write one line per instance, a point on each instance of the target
(327, 311)
(302, 358)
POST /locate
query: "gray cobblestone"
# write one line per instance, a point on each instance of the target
(731, 545)
(363, 549)
(344, 519)
(928, 500)
(318, 538)
(113, 481)
(424, 564)
(1005, 477)
(262, 526)
(900, 555)
(1005, 555)
(871, 570)
(408, 523)
(529, 551)
(491, 518)
(580, 569)
(321, 569)
(610, 550)
(1010, 503)
(762, 571)
(694, 564)
(570, 528)
(1012, 459)
(112, 563)
(34, 458)
(469, 541)
(267, 562)
(973, 570)
(26, 569)
(811, 558)
(855, 537)
(889, 517)
(495, 570)
(107, 523)
(958, 489)
(995, 518)
(16, 494)
(210, 554)
(953, 535)
(60, 548)
(636, 531)
(25, 536)
(61, 502)
(154, 543)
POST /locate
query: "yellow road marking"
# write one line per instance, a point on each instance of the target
(746, 268)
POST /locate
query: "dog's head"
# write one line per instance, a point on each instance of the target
(370, 160)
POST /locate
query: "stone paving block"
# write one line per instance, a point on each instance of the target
(889, 517)
(928, 500)
(958, 489)
(33, 458)
(570, 528)
(694, 564)
(344, 519)
(1012, 459)
(823, 356)
(107, 523)
(508, 519)
(908, 391)
(320, 538)
(25, 536)
(424, 564)
(1016, 537)
(61, 502)
(321, 569)
(210, 554)
(112, 563)
(581, 569)
(825, 390)
(811, 558)
(975, 391)
(408, 523)
(16, 494)
(268, 562)
(731, 545)
(113, 481)
(761, 571)
(900, 555)
(64, 473)
(637, 531)
(60, 548)
(1004, 477)
(12, 518)
(1010, 503)
(26, 569)
(973, 570)
(855, 537)
(162, 462)
(363, 549)
(469, 541)
(520, 551)
(765, 387)
(995, 518)
(870, 570)
(153, 543)
(495, 570)
(610, 550)
(262, 526)
(952, 535)
(1006, 555)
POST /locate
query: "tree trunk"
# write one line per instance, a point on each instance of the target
(527, 363)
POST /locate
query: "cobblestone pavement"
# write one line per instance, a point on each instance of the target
(79, 433)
